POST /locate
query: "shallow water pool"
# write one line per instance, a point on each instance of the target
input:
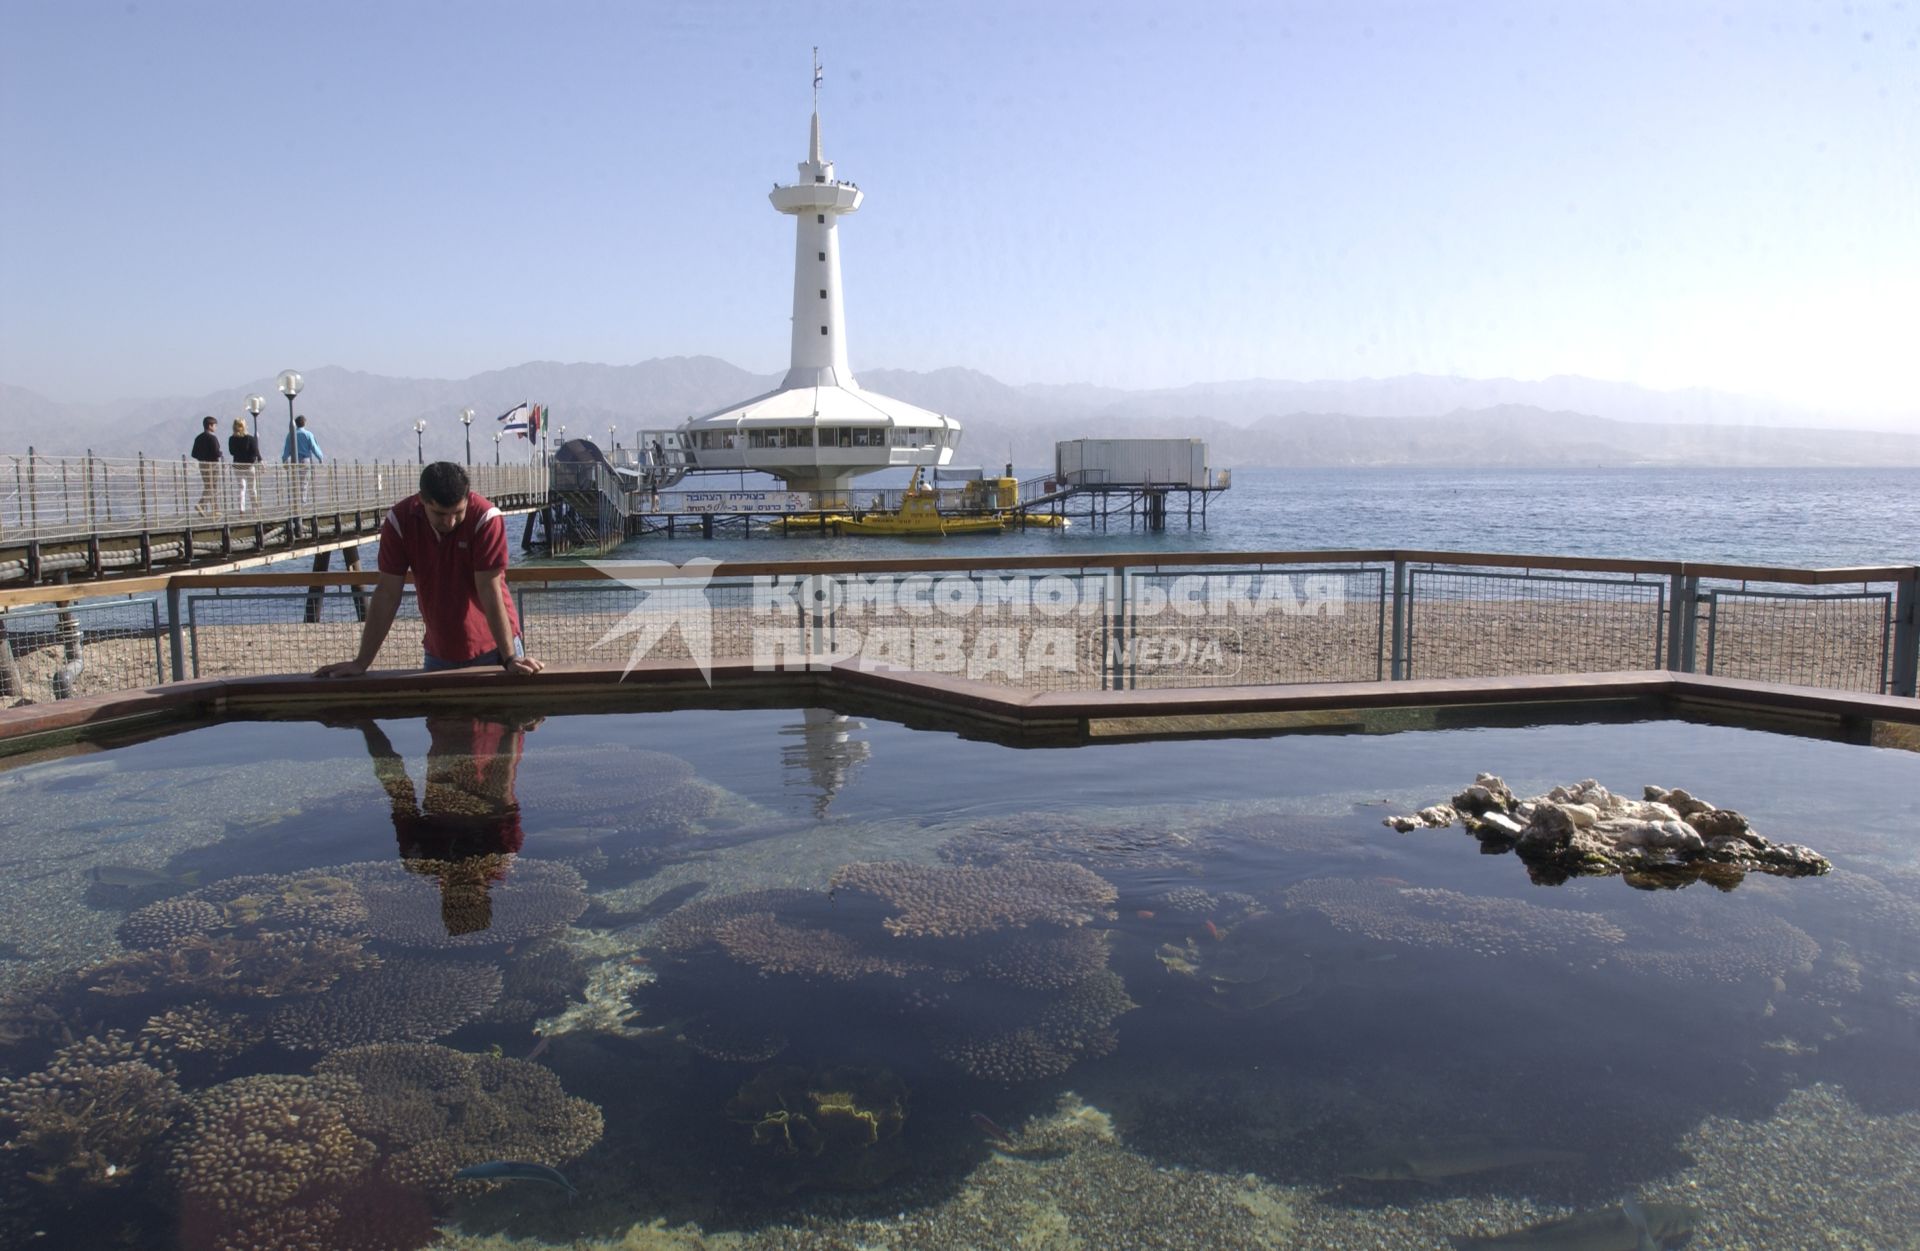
(787, 978)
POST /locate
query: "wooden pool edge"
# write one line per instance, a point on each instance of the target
(983, 710)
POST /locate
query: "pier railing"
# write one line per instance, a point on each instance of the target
(1077, 623)
(51, 498)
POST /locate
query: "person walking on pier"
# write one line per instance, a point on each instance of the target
(245, 450)
(206, 450)
(300, 467)
(454, 543)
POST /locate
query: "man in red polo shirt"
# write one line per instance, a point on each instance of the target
(455, 544)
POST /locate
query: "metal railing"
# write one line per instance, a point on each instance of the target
(45, 498)
(1077, 623)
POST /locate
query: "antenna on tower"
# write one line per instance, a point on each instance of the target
(816, 80)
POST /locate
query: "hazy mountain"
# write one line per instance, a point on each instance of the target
(1415, 419)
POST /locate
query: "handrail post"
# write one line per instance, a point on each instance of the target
(1906, 636)
(1398, 667)
(1683, 593)
(176, 638)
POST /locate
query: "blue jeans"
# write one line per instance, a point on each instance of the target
(435, 664)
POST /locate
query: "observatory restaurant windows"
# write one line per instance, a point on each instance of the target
(802, 437)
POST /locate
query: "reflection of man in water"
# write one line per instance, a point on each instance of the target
(467, 820)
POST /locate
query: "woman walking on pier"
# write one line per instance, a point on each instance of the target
(245, 450)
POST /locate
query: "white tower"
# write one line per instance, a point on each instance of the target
(819, 430)
(819, 315)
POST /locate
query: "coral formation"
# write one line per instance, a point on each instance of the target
(170, 921)
(1047, 961)
(936, 902)
(230, 965)
(838, 1128)
(202, 1030)
(404, 1000)
(268, 902)
(1073, 1026)
(404, 902)
(1727, 945)
(1098, 842)
(694, 925)
(762, 941)
(91, 1117)
(1668, 838)
(1392, 911)
(258, 1143)
(432, 1111)
(539, 980)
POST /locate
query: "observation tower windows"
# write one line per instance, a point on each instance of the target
(821, 218)
(823, 330)
(823, 256)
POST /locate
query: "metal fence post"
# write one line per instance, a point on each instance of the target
(1906, 636)
(1683, 593)
(1398, 669)
(176, 639)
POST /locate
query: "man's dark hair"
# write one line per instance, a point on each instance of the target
(301, 421)
(207, 421)
(444, 483)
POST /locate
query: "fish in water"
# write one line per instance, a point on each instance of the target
(127, 877)
(986, 1125)
(1434, 1164)
(516, 1170)
(1661, 1226)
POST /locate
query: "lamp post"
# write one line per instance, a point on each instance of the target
(247, 475)
(466, 419)
(611, 445)
(496, 449)
(290, 384)
(420, 439)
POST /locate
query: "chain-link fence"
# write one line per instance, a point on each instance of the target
(1471, 623)
(235, 632)
(1042, 624)
(49, 653)
(1241, 626)
(1839, 639)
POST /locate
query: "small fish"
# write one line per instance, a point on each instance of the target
(127, 877)
(516, 1170)
(1145, 914)
(986, 1125)
(1659, 1225)
(1455, 1160)
(540, 1048)
(1214, 930)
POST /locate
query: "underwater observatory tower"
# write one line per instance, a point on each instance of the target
(819, 430)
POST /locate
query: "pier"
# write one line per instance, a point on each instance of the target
(73, 518)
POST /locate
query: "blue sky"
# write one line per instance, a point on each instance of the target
(1667, 193)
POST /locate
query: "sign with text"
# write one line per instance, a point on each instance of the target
(746, 501)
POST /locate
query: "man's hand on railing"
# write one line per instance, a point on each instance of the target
(523, 664)
(341, 669)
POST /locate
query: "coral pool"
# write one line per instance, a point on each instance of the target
(766, 979)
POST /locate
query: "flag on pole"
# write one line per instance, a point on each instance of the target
(537, 422)
(517, 420)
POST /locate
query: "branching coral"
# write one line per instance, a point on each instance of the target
(264, 966)
(433, 1111)
(91, 1117)
(402, 1001)
(937, 902)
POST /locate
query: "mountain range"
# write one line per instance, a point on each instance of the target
(1414, 419)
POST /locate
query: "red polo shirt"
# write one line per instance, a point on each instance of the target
(443, 570)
